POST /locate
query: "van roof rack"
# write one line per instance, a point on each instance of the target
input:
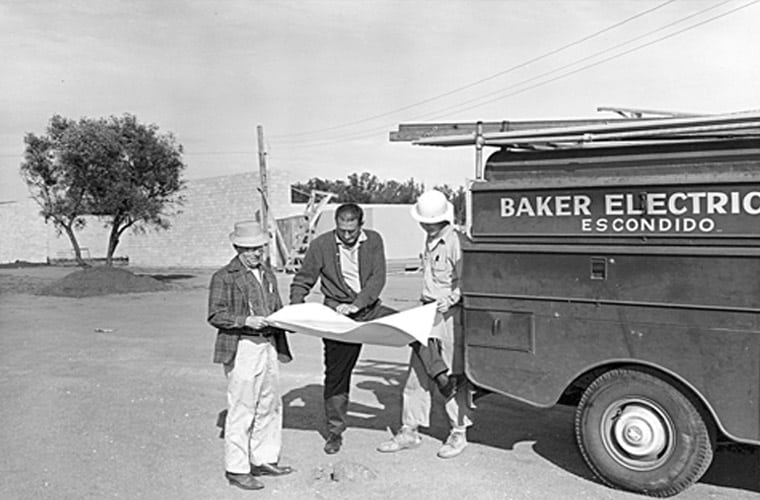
(677, 130)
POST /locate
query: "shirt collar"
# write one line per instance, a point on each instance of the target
(362, 238)
(442, 235)
(244, 266)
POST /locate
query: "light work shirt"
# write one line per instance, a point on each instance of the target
(442, 267)
(349, 262)
(256, 272)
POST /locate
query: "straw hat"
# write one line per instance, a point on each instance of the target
(248, 233)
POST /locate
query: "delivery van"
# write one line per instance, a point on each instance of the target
(615, 266)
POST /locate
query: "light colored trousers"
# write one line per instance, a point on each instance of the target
(418, 388)
(253, 429)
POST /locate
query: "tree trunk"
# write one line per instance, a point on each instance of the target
(113, 242)
(75, 245)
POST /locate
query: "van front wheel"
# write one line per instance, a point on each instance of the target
(637, 432)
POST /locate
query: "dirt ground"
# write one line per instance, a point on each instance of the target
(116, 397)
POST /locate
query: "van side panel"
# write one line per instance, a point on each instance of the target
(536, 319)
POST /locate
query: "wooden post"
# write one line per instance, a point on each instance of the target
(264, 189)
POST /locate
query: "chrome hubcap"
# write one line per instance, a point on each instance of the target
(637, 433)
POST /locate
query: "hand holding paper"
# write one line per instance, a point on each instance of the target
(396, 330)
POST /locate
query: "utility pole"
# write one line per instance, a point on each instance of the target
(264, 188)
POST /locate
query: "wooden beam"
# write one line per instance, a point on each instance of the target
(412, 131)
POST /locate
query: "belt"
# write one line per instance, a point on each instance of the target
(257, 334)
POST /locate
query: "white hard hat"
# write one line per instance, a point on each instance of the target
(432, 207)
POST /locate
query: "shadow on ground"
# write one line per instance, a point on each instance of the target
(168, 277)
(304, 409)
(735, 466)
(499, 422)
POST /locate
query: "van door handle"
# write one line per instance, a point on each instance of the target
(496, 327)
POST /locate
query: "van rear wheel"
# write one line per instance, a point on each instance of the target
(637, 432)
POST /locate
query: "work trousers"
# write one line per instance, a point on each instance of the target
(418, 387)
(340, 359)
(253, 428)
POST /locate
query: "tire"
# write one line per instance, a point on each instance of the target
(639, 433)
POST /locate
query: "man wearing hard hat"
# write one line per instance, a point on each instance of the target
(441, 266)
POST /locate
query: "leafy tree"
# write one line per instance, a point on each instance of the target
(367, 188)
(59, 189)
(392, 191)
(300, 191)
(124, 172)
(360, 188)
(457, 197)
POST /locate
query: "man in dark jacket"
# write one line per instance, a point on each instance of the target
(241, 295)
(350, 264)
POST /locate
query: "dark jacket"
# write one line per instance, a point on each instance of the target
(231, 291)
(322, 260)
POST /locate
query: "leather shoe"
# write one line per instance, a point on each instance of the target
(244, 481)
(332, 446)
(270, 470)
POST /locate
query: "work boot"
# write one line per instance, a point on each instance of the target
(454, 445)
(406, 439)
(332, 445)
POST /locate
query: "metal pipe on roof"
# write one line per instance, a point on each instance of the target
(591, 137)
(626, 126)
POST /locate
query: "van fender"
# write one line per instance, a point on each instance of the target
(583, 378)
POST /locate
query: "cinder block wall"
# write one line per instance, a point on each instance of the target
(93, 241)
(198, 236)
(23, 232)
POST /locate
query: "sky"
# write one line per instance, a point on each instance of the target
(328, 80)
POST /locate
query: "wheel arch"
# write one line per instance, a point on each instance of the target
(572, 394)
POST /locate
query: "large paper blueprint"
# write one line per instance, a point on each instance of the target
(319, 320)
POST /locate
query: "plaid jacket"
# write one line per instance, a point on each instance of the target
(235, 293)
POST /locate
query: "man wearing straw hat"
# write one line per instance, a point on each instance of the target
(441, 274)
(241, 295)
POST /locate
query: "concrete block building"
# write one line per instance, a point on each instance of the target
(198, 236)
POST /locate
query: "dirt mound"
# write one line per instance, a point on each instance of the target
(102, 281)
